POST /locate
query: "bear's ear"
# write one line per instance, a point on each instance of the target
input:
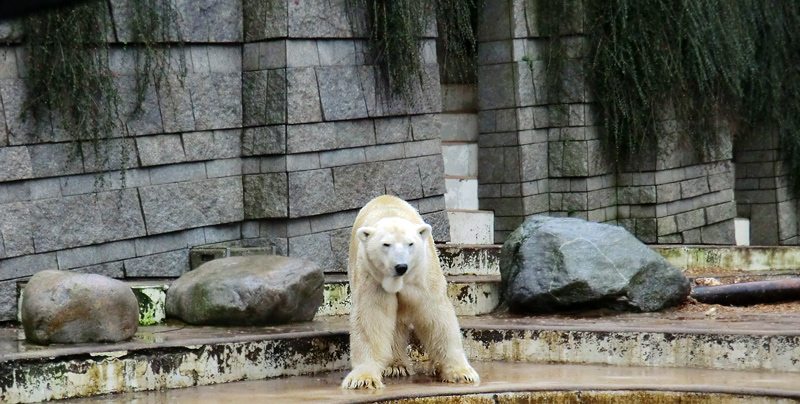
(364, 232)
(424, 230)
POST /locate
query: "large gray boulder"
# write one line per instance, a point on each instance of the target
(251, 290)
(61, 307)
(550, 264)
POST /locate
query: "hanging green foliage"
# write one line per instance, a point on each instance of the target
(69, 80)
(698, 63)
(395, 28)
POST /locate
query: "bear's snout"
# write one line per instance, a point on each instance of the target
(400, 269)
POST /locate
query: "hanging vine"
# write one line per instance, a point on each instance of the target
(395, 29)
(70, 83)
(699, 63)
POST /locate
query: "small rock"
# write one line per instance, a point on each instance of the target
(549, 264)
(250, 290)
(61, 307)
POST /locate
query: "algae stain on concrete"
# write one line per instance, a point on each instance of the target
(152, 301)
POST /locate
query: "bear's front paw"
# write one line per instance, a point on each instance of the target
(398, 370)
(362, 379)
(460, 374)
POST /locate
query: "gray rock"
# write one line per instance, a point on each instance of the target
(250, 290)
(70, 308)
(548, 264)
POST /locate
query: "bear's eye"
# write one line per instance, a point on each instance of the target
(410, 244)
(386, 244)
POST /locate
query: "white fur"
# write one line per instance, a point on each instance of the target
(389, 232)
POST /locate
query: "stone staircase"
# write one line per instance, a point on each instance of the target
(459, 130)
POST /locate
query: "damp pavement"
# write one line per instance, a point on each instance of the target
(497, 377)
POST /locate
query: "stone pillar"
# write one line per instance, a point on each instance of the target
(322, 134)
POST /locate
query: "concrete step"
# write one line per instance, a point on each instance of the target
(459, 127)
(176, 355)
(460, 158)
(471, 226)
(461, 192)
(503, 382)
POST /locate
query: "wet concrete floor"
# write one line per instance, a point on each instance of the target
(497, 377)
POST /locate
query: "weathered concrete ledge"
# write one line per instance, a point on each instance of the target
(171, 356)
(753, 258)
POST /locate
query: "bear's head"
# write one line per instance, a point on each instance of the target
(395, 249)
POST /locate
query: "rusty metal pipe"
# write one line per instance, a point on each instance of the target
(749, 293)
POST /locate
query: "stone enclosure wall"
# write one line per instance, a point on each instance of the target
(282, 131)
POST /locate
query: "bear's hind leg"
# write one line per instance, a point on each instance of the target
(400, 364)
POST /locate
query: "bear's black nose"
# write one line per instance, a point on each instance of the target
(400, 269)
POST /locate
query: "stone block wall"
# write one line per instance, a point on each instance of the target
(763, 194)
(542, 153)
(281, 132)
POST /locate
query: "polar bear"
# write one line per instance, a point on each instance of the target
(396, 283)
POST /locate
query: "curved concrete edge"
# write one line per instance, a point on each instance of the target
(508, 383)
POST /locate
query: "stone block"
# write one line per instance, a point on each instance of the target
(254, 97)
(536, 204)
(646, 230)
(302, 161)
(385, 152)
(272, 164)
(721, 212)
(109, 154)
(575, 159)
(690, 220)
(264, 19)
(175, 104)
(216, 100)
(495, 52)
(16, 163)
(276, 105)
(541, 117)
(602, 198)
(393, 130)
(324, 19)
(265, 196)
(431, 171)
(599, 161)
(694, 187)
(302, 96)
(490, 171)
(313, 247)
(459, 98)
(423, 148)
(354, 133)
(44, 189)
(177, 173)
(16, 236)
(264, 140)
(310, 137)
(222, 233)
(223, 168)
(192, 204)
(722, 233)
(499, 92)
(336, 52)
(787, 219)
(486, 121)
(340, 93)
(667, 225)
(533, 136)
(86, 219)
(402, 178)
(169, 242)
(218, 144)
(148, 120)
(718, 182)
(357, 184)
(425, 127)
(311, 193)
(170, 264)
(96, 254)
(495, 22)
(524, 88)
(302, 53)
(342, 157)
(53, 159)
(533, 161)
(160, 149)
(8, 300)
(668, 192)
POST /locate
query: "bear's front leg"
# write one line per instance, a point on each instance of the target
(400, 364)
(437, 327)
(372, 327)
